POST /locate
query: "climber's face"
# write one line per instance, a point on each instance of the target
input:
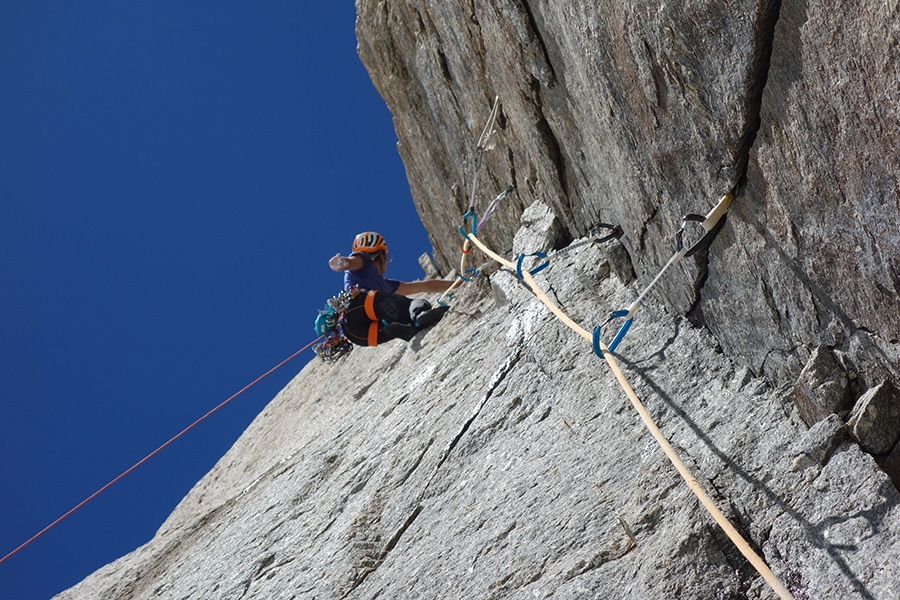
(381, 262)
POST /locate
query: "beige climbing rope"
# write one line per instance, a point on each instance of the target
(729, 529)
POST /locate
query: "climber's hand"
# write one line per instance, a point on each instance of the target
(339, 263)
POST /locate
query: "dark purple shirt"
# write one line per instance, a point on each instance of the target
(367, 277)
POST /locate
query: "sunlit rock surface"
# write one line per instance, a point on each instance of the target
(495, 456)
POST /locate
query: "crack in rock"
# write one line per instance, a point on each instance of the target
(498, 378)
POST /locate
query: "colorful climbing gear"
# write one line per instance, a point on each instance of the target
(535, 270)
(462, 228)
(467, 274)
(328, 325)
(484, 144)
(494, 204)
(334, 347)
(712, 223)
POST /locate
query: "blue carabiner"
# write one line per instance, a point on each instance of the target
(535, 270)
(596, 341)
(474, 271)
(620, 335)
(474, 230)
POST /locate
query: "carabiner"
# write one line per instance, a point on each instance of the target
(535, 270)
(474, 271)
(620, 335)
(474, 230)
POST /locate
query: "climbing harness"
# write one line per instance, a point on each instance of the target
(369, 308)
(712, 223)
(647, 419)
(332, 324)
(158, 450)
(370, 336)
(357, 317)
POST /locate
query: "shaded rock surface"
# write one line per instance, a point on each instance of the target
(822, 388)
(875, 422)
(494, 456)
(637, 113)
(818, 444)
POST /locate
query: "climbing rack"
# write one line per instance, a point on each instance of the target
(335, 344)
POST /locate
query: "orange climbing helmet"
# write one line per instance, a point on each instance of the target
(369, 242)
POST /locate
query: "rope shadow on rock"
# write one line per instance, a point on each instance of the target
(816, 532)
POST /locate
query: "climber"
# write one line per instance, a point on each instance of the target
(367, 264)
(369, 318)
(373, 309)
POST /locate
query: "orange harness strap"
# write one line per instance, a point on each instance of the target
(370, 312)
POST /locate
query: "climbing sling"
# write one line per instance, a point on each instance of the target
(485, 143)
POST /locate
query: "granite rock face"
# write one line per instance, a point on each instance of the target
(822, 388)
(814, 245)
(637, 113)
(495, 456)
(875, 422)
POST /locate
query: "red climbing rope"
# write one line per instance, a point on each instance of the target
(160, 449)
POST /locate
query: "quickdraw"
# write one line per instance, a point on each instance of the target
(471, 214)
(616, 233)
(495, 203)
(712, 223)
(485, 143)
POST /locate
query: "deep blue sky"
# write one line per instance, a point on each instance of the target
(173, 179)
